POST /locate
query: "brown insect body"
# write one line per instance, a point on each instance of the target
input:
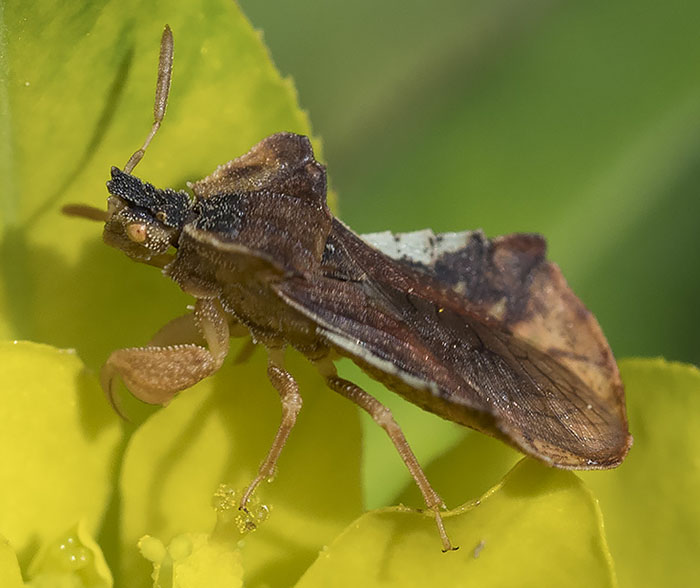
(487, 335)
(482, 332)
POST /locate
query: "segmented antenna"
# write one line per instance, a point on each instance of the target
(165, 70)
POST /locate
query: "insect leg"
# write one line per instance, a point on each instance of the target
(383, 417)
(180, 330)
(154, 374)
(291, 405)
(184, 330)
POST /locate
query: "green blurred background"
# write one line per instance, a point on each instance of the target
(578, 120)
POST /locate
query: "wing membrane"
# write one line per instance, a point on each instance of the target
(484, 343)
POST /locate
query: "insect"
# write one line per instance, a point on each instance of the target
(485, 333)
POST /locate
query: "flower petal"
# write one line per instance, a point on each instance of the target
(219, 432)
(650, 503)
(58, 442)
(10, 576)
(193, 560)
(74, 559)
(538, 527)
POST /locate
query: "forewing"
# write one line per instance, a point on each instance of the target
(429, 342)
(509, 280)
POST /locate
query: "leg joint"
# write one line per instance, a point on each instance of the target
(292, 403)
(383, 417)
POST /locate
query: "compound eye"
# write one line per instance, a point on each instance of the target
(136, 232)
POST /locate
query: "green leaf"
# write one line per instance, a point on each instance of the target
(219, 432)
(539, 527)
(650, 503)
(58, 442)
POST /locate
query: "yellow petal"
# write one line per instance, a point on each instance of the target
(219, 432)
(193, 560)
(10, 576)
(651, 503)
(74, 559)
(539, 527)
(58, 441)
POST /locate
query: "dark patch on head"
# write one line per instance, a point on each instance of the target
(168, 206)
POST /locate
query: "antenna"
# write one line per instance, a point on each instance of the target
(165, 70)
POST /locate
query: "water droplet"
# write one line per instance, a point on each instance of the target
(263, 513)
(71, 555)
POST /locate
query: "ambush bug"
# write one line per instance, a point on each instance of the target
(482, 332)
